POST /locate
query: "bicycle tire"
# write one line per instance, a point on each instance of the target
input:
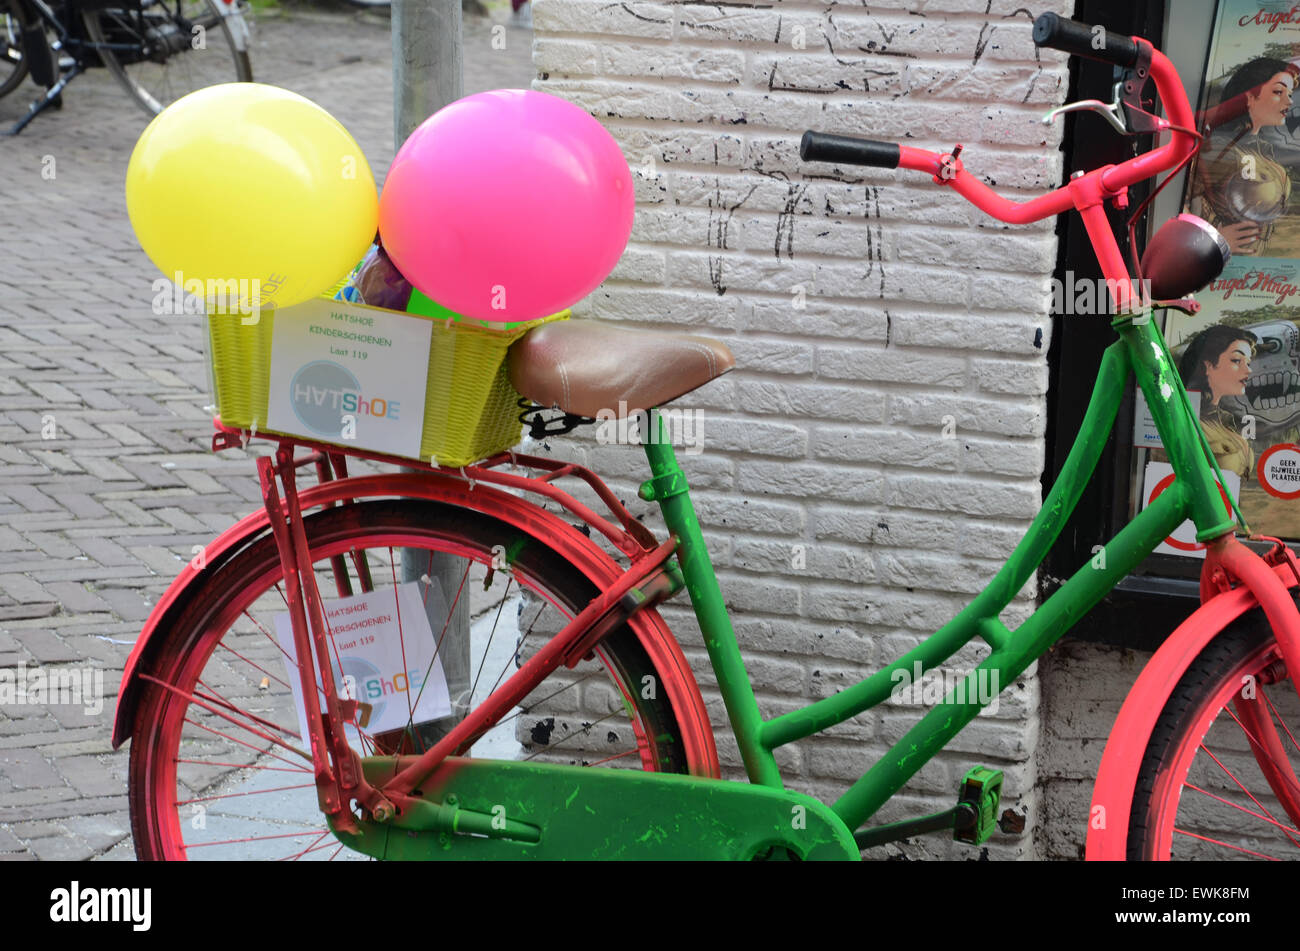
(13, 61)
(1202, 792)
(137, 77)
(159, 790)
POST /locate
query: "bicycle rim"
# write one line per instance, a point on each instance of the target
(185, 45)
(13, 63)
(207, 782)
(1218, 781)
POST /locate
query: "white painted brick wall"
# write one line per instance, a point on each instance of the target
(915, 308)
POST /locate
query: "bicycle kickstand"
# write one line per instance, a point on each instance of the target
(44, 102)
(339, 777)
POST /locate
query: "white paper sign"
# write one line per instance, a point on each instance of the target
(349, 374)
(1144, 424)
(1159, 476)
(369, 646)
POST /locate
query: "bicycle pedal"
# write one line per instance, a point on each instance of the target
(977, 805)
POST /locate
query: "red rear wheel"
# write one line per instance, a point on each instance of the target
(218, 767)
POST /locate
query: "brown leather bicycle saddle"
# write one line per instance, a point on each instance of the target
(584, 366)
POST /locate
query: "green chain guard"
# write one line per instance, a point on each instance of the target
(493, 809)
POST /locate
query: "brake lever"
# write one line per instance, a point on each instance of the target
(1108, 111)
(1125, 114)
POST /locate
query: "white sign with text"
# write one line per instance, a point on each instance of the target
(349, 374)
(369, 634)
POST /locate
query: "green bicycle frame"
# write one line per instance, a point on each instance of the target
(1195, 494)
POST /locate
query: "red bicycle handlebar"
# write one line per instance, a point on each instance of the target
(1087, 190)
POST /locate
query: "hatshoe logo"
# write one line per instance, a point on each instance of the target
(76, 904)
(364, 681)
(639, 427)
(327, 399)
(62, 686)
(931, 688)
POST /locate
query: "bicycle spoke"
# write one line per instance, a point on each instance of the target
(1238, 848)
(1266, 818)
(278, 769)
(585, 731)
(1242, 787)
(401, 640)
(491, 635)
(251, 792)
(225, 716)
(254, 838)
(234, 739)
(1281, 722)
(216, 698)
(615, 756)
(518, 646)
(297, 855)
(525, 710)
(446, 624)
(282, 682)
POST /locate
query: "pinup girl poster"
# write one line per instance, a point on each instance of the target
(1240, 356)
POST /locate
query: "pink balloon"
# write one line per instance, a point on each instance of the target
(507, 205)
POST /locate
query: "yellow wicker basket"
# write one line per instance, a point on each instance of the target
(470, 409)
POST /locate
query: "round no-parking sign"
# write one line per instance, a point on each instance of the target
(1278, 471)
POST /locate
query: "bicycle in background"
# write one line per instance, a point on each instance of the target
(159, 50)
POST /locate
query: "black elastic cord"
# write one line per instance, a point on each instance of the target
(1135, 261)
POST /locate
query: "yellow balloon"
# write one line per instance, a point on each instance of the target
(255, 185)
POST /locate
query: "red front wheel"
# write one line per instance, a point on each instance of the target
(218, 767)
(1219, 779)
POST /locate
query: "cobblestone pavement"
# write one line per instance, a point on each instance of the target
(96, 521)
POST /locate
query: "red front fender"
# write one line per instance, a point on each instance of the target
(1112, 796)
(571, 544)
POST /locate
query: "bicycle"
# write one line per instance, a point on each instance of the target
(158, 50)
(585, 673)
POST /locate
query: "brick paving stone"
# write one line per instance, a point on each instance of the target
(127, 603)
(103, 550)
(76, 598)
(46, 733)
(80, 504)
(11, 540)
(23, 589)
(101, 832)
(54, 545)
(8, 841)
(124, 851)
(49, 648)
(27, 769)
(61, 848)
(90, 777)
(92, 521)
(13, 612)
(61, 807)
(31, 498)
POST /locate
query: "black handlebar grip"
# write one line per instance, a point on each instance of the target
(824, 147)
(1079, 39)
